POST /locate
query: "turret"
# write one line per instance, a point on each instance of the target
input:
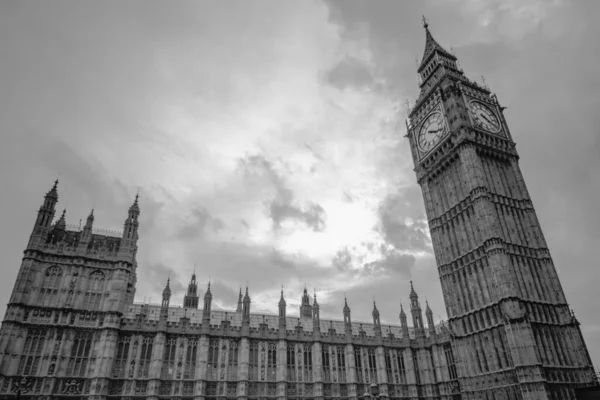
(86, 234)
(246, 307)
(166, 299)
(207, 305)
(316, 317)
(305, 307)
(347, 319)
(282, 314)
(239, 305)
(59, 228)
(46, 211)
(430, 324)
(403, 323)
(130, 229)
(190, 300)
(417, 314)
(376, 320)
(315, 308)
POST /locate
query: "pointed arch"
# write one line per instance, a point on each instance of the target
(48, 293)
(94, 290)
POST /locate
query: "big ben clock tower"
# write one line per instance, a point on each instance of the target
(514, 335)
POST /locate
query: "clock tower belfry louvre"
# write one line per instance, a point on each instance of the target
(513, 333)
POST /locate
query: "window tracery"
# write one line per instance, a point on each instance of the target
(212, 372)
(94, 291)
(32, 352)
(232, 361)
(50, 286)
(120, 363)
(80, 354)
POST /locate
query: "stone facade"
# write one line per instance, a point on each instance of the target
(514, 335)
(73, 330)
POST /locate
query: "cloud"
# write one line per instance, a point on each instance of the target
(394, 212)
(198, 222)
(283, 207)
(349, 72)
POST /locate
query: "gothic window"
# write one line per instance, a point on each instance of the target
(94, 291)
(326, 364)
(450, 361)
(32, 352)
(145, 357)
(291, 363)
(80, 354)
(307, 363)
(272, 362)
(213, 360)
(358, 363)
(401, 367)
(50, 286)
(372, 365)
(253, 361)
(341, 360)
(190, 360)
(120, 362)
(168, 365)
(232, 361)
(416, 366)
(388, 366)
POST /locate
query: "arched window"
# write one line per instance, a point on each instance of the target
(80, 354)
(32, 352)
(50, 285)
(95, 289)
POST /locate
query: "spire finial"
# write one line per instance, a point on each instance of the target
(425, 23)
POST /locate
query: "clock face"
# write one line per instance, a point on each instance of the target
(484, 117)
(432, 131)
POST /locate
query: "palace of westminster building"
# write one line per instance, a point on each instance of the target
(72, 329)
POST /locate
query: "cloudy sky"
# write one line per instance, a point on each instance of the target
(266, 138)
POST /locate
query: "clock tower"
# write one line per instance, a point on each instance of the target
(514, 336)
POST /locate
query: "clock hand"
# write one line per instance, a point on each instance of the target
(486, 118)
(436, 131)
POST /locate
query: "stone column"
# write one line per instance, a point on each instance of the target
(351, 372)
(201, 363)
(281, 368)
(243, 369)
(381, 370)
(318, 370)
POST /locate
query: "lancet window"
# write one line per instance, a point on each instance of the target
(388, 365)
(358, 364)
(94, 291)
(325, 362)
(32, 352)
(80, 354)
(145, 357)
(168, 365)
(307, 351)
(253, 361)
(416, 367)
(341, 362)
(50, 286)
(272, 362)
(450, 361)
(401, 367)
(213, 360)
(372, 365)
(291, 363)
(232, 361)
(120, 362)
(190, 360)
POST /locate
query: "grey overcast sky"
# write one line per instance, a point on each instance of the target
(266, 138)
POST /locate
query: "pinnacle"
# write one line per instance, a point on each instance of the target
(53, 191)
(431, 45)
